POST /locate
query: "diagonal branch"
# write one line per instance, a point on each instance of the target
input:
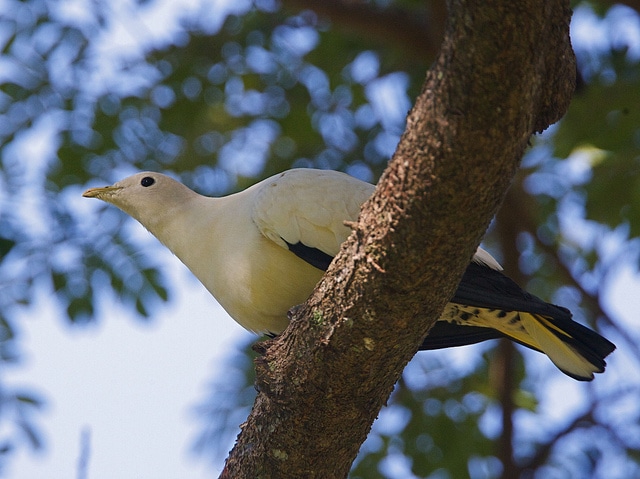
(542, 455)
(323, 381)
(586, 418)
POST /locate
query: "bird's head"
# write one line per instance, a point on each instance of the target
(146, 196)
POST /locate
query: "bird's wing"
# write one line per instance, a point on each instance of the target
(485, 287)
(482, 257)
(304, 210)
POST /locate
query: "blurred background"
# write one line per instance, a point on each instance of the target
(114, 361)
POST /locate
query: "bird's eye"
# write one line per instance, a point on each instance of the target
(147, 181)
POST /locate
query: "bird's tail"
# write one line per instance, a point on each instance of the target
(576, 350)
(489, 305)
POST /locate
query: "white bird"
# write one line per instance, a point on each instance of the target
(261, 251)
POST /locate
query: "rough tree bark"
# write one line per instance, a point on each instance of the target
(505, 70)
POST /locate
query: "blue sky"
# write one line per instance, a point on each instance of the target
(132, 385)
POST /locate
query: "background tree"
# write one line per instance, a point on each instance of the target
(323, 84)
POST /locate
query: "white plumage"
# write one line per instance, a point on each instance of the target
(261, 251)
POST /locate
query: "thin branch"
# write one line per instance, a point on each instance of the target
(542, 455)
(418, 34)
(503, 380)
(505, 383)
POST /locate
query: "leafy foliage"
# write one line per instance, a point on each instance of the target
(222, 104)
(610, 141)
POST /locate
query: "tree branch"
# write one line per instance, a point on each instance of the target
(542, 454)
(418, 35)
(323, 381)
(504, 378)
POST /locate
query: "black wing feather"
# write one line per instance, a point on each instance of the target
(444, 334)
(313, 256)
(485, 287)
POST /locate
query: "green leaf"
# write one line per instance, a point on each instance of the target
(613, 194)
(605, 115)
(80, 309)
(29, 400)
(141, 308)
(6, 245)
(59, 281)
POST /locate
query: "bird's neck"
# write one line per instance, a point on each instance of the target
(177, 225)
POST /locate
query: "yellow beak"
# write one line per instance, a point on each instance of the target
(98, 192)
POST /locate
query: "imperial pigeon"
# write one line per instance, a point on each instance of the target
(261, 251)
